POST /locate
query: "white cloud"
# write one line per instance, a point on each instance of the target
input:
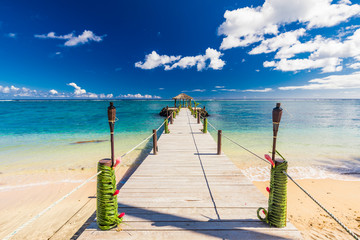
(154, 60)
(13, 88)
(78, 90)
(227, 90)
(138, 96)
(331, 82)
(71, 39)
(248, 25)
(354, 65)
(325, 53)
(281, 41)
(4, 89)
(53, 92)
(326, 64)
(219, 86)
(194, 90)
(11, 35)
(161, 88)
(13, 91)
(258, 90)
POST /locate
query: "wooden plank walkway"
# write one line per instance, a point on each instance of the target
(189, 192)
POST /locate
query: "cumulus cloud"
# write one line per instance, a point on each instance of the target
(324, 53)
(154, 60)
(23, 92)
(354, 65)
(330, 82)
(53, 92)
(286, 65)
(248, 25)
(219, 86)
(281, 41)
(71, 39)
(138, 96)
(211, 56)
(78, 90)
(13, 91)
(258, 90)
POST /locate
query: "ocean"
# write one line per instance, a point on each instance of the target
(319, 138)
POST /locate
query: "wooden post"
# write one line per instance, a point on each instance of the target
(205, 125)
(276, 118)
(219, 142)
(196, 113)
(154, 142)
(107, 205)
(166, 126)
(111, 118)
(171, 118)
(198, 118)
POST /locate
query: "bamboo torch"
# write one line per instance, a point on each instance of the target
(276, 118)
(111, 117)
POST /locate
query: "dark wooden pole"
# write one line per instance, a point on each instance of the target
(219, 142)
(111, 118)
(154, 142)
(171, 117)
(276, 118)
(198, 117)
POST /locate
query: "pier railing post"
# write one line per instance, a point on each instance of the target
(277, 205)
(171, 118)
(205, 125)
(107, 205)
(167, 126)
(219, 142)
(198, 117)
(154, 142)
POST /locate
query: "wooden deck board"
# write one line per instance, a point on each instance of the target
(186, 191)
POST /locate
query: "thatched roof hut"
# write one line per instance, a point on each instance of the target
(183, 97)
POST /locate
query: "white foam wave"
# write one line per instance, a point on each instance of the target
(263, 174)
(13, 187)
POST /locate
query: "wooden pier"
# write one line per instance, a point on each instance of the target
(187, 191)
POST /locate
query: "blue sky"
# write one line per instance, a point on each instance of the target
(207, 49)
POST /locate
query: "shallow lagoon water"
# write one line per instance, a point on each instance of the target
(319, 138)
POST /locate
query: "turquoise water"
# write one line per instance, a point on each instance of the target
(314, 134)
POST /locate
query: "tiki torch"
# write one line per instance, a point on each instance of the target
(276, 117)
(111, 117)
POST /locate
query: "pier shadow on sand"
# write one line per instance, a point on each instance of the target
(134, 166)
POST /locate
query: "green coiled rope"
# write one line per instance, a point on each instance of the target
(277, 209)
(167, 126)
(107, 205)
